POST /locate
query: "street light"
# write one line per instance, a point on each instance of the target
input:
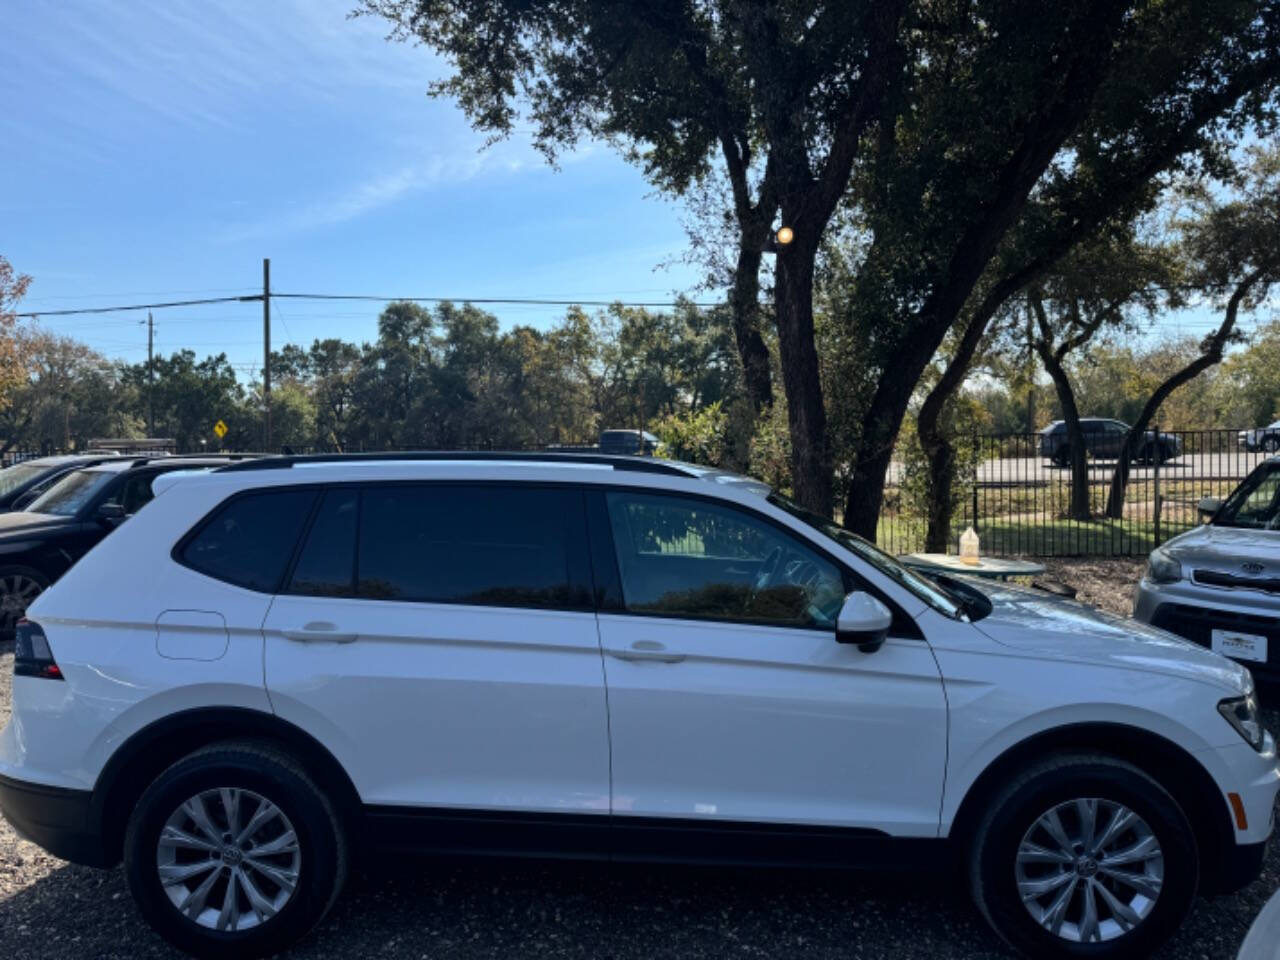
(785, 235)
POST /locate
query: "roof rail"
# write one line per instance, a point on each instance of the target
(617, 462)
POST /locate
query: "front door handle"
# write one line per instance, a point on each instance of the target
(319, 631)
(647, 650)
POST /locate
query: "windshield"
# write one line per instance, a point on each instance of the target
(11, 478)
(66, 497)
(926, 590)
(1255, 503)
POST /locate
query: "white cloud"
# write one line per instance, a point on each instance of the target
(379, 190)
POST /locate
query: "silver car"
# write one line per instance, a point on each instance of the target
(1264, 438)
(1219, 584)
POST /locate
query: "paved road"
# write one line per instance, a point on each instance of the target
(1198, 466)
(429, 910)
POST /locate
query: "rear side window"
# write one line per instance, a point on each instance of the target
(326, 566)
(485, 544)
(250, 540)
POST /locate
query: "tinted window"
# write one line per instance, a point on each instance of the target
(1255, 503)
(689, 558)
(494, 545)
(250, 540)
(326, 566)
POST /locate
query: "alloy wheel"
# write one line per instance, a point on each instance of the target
(17, 591)
(1089, 870)
(228, 859)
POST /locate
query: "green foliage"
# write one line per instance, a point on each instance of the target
(696, 437)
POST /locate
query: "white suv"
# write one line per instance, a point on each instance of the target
(284, 663)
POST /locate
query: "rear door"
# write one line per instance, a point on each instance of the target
(440, 639)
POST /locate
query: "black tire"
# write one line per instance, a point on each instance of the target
(267, 772)
(1062, 457)
(1033, 793)
(1271, 444)
(12, 606)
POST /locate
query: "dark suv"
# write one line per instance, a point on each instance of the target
(41, 543)
(1103, 440)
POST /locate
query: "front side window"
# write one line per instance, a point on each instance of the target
(492, 545)
(72, 493)
(683, 557)
(1255, 503)
(918, 585)
(249, 541)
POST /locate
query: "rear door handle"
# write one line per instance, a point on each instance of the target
(647, 650)
(319, 631)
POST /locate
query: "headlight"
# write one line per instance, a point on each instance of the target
(1162, 568)
(1242, 713)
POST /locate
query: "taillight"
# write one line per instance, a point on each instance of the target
(31, 654)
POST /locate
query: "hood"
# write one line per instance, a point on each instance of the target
(22, 521)
(1060, 629)
(1226, 549)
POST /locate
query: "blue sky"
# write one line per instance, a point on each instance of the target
(159, 150)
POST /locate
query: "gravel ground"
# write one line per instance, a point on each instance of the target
(490, 909)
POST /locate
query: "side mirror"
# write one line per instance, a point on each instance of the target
(864, 621)
(111, 514)
(1208, 507)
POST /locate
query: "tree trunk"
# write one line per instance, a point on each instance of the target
(1213, 348)
(811, 469)
(744, 300)
(874, 454)
(1079, 508)
(938, 450)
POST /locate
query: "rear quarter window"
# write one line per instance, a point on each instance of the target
(249, 540)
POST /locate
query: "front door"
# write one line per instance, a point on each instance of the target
(730, 701)
(439, 639)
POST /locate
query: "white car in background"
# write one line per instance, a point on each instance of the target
(1219, 583)
(284, 663)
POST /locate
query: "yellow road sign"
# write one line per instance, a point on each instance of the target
(220, 429)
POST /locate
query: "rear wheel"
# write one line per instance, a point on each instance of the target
(1062, 457)
(234, 851)
(1084, 856)
(1271, 444)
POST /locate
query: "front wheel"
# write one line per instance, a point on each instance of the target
(234, 851)
(1271, 444)
(19, 586)
(1084, 856)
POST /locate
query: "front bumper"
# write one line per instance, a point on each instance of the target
(55, 818)
(1193, 612)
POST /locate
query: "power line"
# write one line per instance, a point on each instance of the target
(33, 315)
(257, 298)
(508, 301)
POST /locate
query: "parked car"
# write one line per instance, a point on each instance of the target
(39, 544)
(23, 482)
(1219, 584)
(1263, 438)
(281, 663)
(1104, 439)
(640, 443)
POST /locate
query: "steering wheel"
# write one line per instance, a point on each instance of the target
(764, 576)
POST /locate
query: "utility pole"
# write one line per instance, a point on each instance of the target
(266, 351)
(151, 377)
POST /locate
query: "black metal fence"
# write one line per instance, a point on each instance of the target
(1015, 493)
